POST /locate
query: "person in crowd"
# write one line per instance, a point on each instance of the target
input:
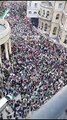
(36, 68)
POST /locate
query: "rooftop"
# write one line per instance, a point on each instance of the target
(2, 28)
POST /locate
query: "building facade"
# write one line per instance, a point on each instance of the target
(32, 11)
(5, 39)
(33, 8)
(45, 17)
(52, 19)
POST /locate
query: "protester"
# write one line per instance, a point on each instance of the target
(36, 68)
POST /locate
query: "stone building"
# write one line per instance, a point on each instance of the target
(5, 39)
(53, 20)
(32, 11)
(45, 17)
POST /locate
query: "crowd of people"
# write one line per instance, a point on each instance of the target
(36, 68)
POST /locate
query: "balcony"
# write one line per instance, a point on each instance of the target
(45, 18)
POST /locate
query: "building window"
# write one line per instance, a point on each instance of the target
(60, 33)
(39, 26)
(65, 41)
(30, 4)
(63, 19)
(35, 12)
(45, 27)
(29, 12)
(36, 5)
(43, 12)
(54, 30)
(57, 16)
(42, 26)
(59, 37)
(47, 14)
(60, 5)
(39, 12)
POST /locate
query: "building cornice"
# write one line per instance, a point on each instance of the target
(46, 7)
(44, 18)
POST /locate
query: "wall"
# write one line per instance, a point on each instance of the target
(33, 9)
(44, 22)
(6, 33)
(51, 30)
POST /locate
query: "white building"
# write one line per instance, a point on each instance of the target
(33, 8)
(45, 17)
(56, 18)
(63, 27)
(52, 18)
(32, 11)
(5, 39)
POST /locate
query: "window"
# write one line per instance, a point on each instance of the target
(57, 16)
(65, 41)
(47, 14)
(54, 30)
(45, 27)
(29, 12)
(30, 4)
(60, 5)
(43, 12)
(36, 5)
(42, 26)
(35, 12)
(39, 26)
(60, 33)
(63, 19)
(39, 12)
(59, 37)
